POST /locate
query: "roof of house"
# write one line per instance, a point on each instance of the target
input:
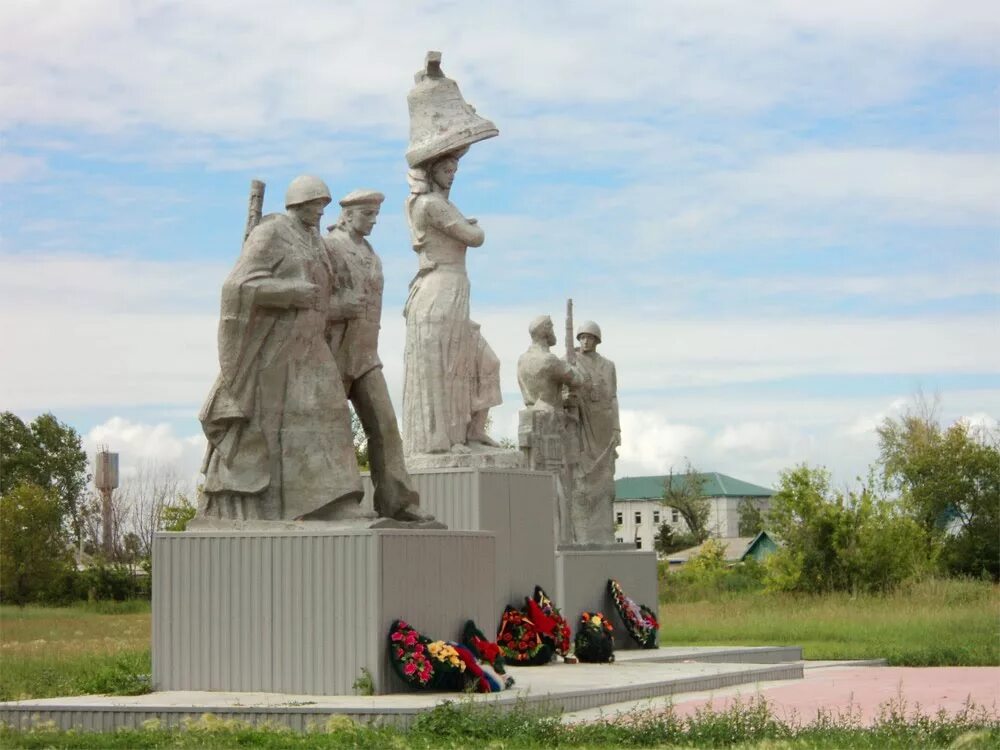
(714, 484)
(736, 547)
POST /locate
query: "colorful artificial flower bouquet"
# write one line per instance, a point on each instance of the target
(438, 665)
(552, 626)
(595, 642)
(409, 655)
(519, 640)
(639, 620)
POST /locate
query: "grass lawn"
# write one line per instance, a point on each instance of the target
(46, 652)
(935, 623)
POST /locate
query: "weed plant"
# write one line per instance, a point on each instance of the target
(463, 725)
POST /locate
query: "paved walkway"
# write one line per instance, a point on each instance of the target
(858, 691)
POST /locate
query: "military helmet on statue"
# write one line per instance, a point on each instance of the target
(305, 188)
(441, 121)
(589, 326)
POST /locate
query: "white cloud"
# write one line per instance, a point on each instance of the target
(652, 445)
(233, 68)
(911, 184)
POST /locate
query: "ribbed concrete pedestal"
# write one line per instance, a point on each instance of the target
(305, 611)
(582, 575)
(518, 505)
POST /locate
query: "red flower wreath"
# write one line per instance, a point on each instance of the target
(639, 620)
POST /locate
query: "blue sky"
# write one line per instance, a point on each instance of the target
(783, 215)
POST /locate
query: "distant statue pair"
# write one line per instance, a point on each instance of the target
(298, 336)
(570, 427)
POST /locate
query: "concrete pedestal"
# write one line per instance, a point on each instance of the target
(304, 611)
(582, 574)
(516, 504)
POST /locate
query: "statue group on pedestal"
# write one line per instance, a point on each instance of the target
(298, 337)
(570, 426)
(298, 340)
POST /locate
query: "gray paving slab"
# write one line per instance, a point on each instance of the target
(561, 687)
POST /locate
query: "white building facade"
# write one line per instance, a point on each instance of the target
(639, 511)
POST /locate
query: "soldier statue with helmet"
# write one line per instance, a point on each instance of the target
(596, 402)
(278, 426)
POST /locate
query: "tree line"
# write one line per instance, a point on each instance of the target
(930, 505)
(51, 546)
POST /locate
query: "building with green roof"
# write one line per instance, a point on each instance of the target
(639, 512)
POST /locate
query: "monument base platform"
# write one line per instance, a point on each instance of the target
(309, 611)
(582, 573)
(478, 457)
(517, 505)
(557, 687)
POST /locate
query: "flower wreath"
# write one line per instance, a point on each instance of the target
(550, 623)
(595, 642)
(640, 622)
(519, 640)
(437, 665)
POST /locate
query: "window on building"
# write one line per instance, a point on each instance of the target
(618, 517)
(675, 515)
(619, 539)
(638, 516)
(638, 543)
(656, 517)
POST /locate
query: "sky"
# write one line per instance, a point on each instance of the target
(783, 215)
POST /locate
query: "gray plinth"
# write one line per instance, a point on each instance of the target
(305, 612)
(518, 505)
(582, 575)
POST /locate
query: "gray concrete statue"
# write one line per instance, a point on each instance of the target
(277, 422)
(600, 435)
(548, 434)
(354, 320)
(451, 375)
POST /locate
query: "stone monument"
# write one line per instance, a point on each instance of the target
(451, 375)
(279, 431)
(283, 582)
(353, 326)
(596, 402)
(548, 433)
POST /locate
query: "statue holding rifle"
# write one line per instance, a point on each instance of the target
(596, 401)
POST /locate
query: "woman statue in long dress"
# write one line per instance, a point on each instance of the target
(451, 376)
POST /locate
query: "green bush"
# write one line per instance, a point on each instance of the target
(841, 541)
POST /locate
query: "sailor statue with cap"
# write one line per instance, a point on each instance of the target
(354, 320)
(451, 375)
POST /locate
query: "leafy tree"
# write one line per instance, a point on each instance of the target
(33, 553)
(360, 441)
(668, 540)
(46, 453)
(683, 492)
(840, 541)
(176, 516)
(751, 518)
(949, 479)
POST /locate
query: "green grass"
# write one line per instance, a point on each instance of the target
(461, 725)
(934, 623)
(47, 652)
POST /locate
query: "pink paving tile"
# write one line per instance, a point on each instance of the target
(862, 690)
